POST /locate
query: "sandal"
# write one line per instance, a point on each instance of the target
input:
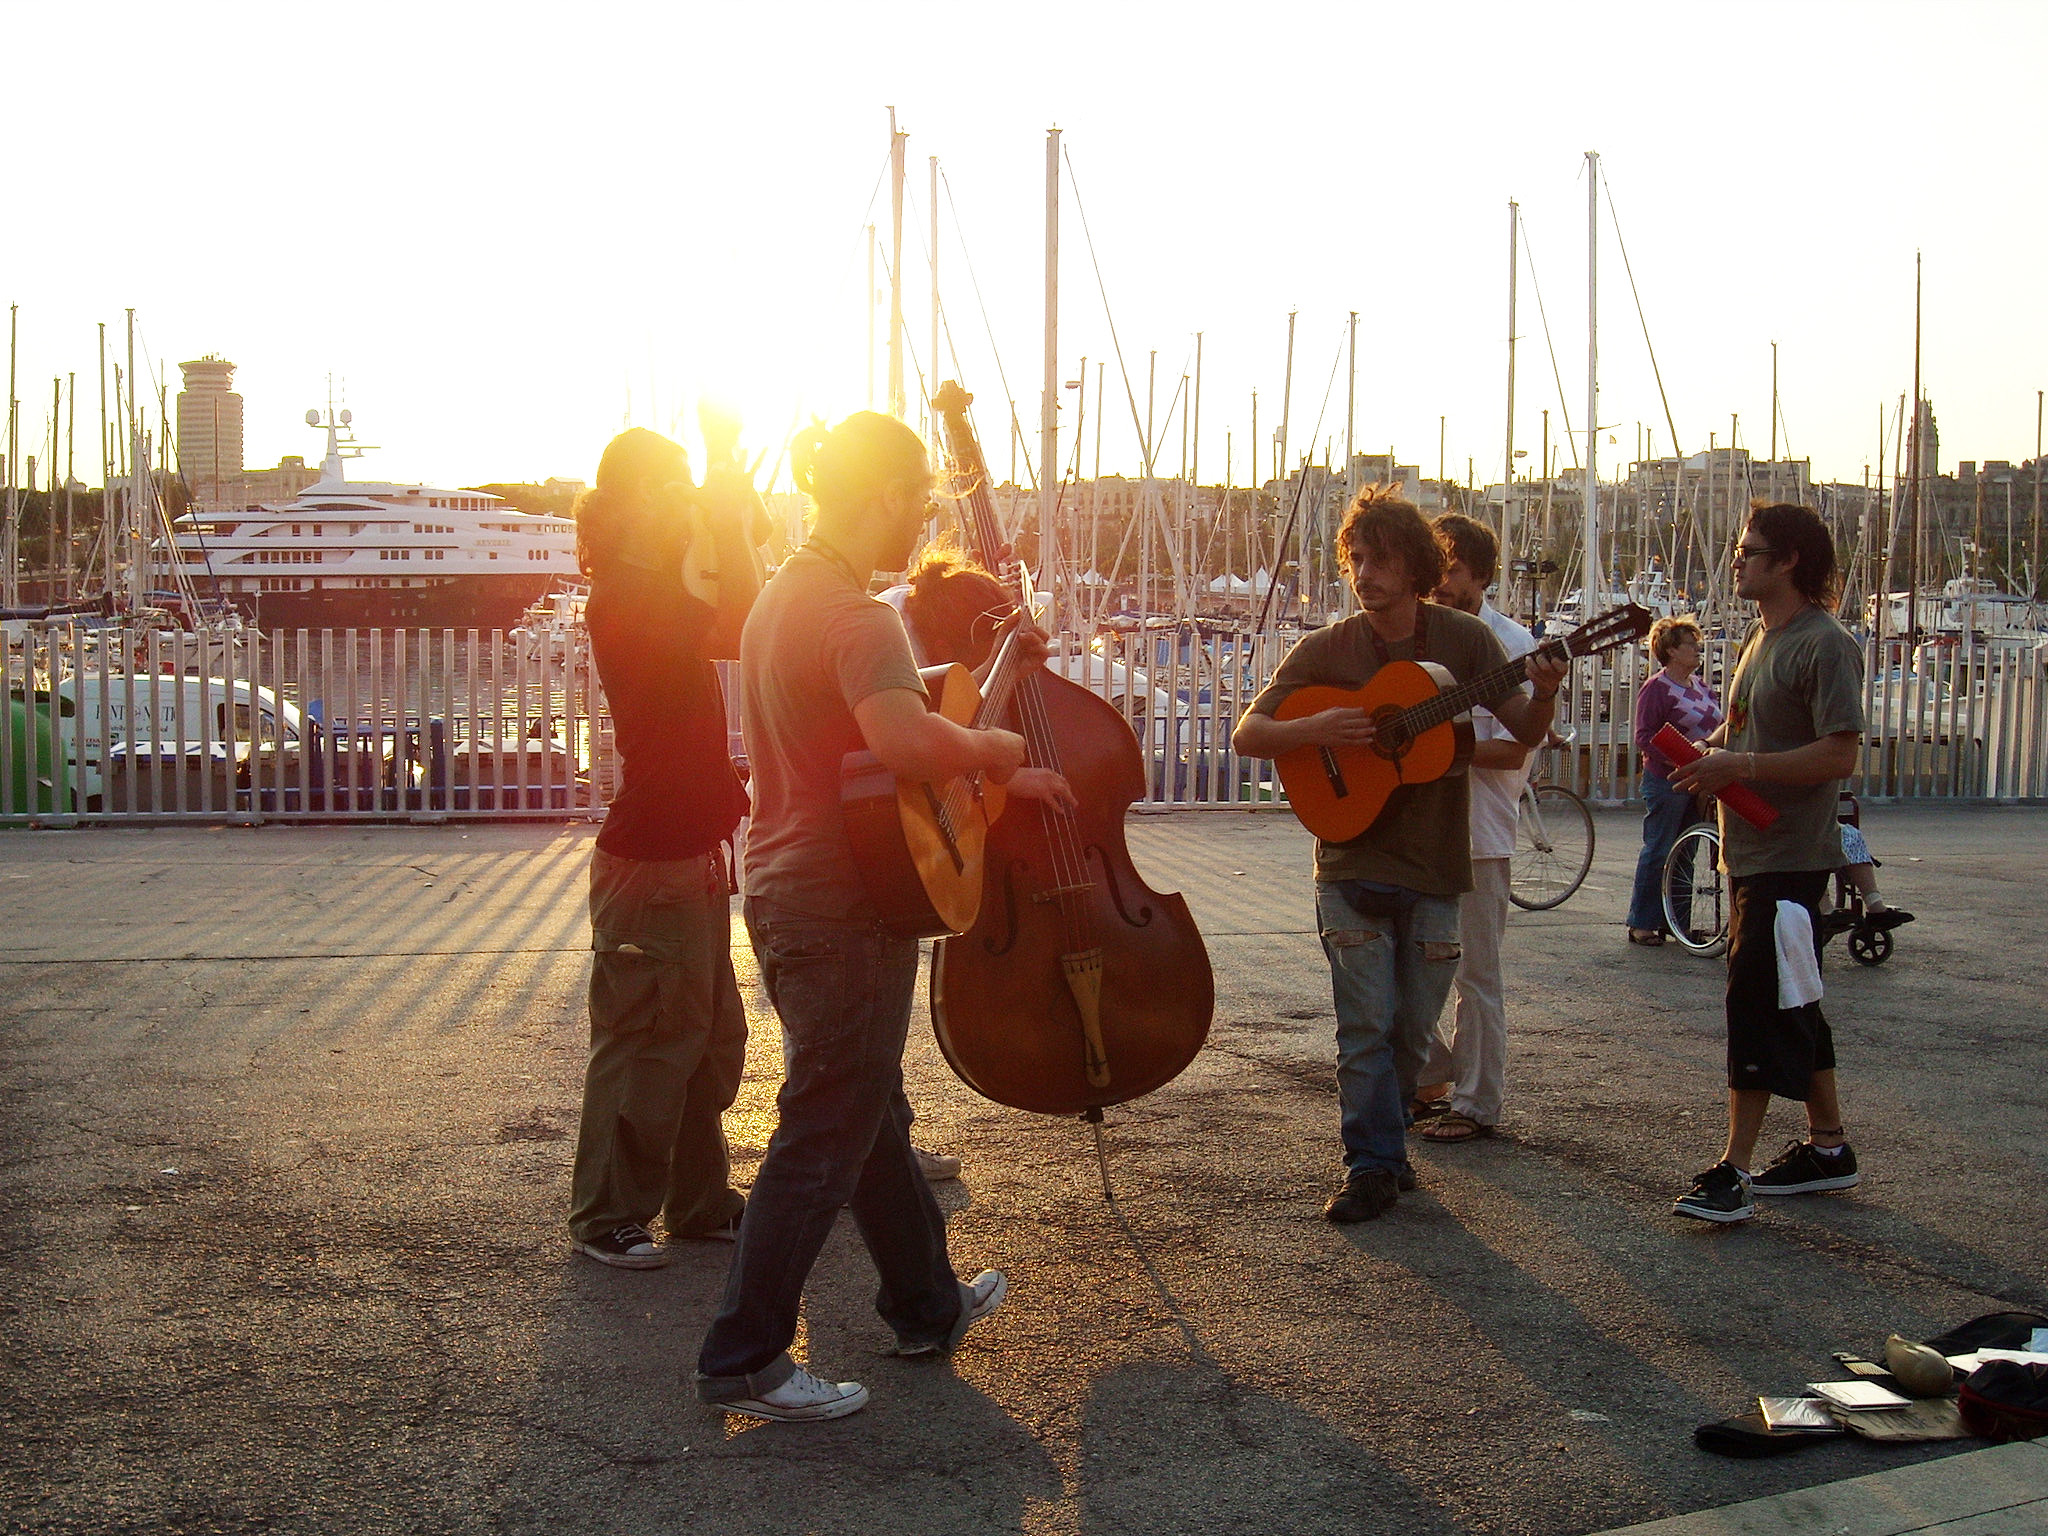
(1649, 938)
(1456, 1127)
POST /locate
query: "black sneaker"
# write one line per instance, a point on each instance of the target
(1719, 1194)
(1801, 1169)
(1364, 1197)
(630, 1246)
(1404, 1178)
(1887, 920)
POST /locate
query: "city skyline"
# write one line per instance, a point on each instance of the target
(432, 216)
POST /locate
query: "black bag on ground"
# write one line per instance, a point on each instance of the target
(2005, 1400)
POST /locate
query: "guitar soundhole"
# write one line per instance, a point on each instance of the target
(1392, 739)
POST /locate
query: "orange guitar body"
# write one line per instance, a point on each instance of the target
(1338, 792)
(920, 846)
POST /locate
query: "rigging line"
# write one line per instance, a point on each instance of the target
(1300, 488)
(1102, 288)
(1549, 345)
(874, 192)
(1614, 217)
(988, 326)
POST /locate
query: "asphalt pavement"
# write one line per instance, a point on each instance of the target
(286, 1121)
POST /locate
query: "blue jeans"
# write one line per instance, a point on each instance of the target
(1392, 954)
(1667, 813)
(843, 992)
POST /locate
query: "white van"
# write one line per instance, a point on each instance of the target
(166, 713)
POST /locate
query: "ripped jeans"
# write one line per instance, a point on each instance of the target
(1393, 954)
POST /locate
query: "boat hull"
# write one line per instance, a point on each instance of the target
(478, 602)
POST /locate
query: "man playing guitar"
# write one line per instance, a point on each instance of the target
(1387, 901)
(825, 670)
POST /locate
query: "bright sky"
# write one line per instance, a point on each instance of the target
(501, 228)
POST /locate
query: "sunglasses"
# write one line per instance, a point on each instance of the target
(1752, 551)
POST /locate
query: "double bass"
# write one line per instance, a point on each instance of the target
(1078, 986)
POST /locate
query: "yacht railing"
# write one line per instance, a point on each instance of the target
(439, 725)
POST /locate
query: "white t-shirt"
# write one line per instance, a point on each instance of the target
(1497, 792)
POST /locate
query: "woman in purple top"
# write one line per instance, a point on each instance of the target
(1676, 697)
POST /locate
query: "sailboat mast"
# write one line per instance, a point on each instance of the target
(70, 444)
(1507, 474)
(1049, 398)
(106, 475)
(933, 371)
(1589, 554)
(10, 590)
(1281, 459)
(137, 545)
(898, 143)
(1914, 470)
(1351, 414)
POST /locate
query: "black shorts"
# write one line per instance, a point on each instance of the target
(1773, 1048)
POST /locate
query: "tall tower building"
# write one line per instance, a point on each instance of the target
(210, 433)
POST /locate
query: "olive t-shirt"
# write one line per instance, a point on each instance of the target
(815, 645)
(1792, 686)
(1421, 839)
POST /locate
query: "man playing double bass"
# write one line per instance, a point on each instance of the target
(1387, 901)
(824, 670)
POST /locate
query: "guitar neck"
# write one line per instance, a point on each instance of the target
(1454, 701)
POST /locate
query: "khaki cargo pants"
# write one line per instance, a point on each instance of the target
(668, 1041)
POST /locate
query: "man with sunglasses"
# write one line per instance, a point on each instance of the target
(1792, 733)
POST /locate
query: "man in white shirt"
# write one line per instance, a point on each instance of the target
(1471, 1054)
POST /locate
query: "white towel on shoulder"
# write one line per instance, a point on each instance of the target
(1798, 965)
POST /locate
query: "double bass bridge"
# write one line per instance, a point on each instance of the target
(1060, 892)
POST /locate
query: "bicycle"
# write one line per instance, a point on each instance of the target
(1553, 842)
(1696, 900)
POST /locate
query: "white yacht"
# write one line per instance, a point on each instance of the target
(374, 555)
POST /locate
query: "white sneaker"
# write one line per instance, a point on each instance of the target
(801, 1399)
(936, 1166)
(978, 1297)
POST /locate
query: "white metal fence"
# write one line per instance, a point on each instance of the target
(436, 725)
(114, 725)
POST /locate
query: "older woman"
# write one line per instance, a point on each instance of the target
(1672, 696)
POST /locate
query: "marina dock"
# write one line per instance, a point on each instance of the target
(288, 1113)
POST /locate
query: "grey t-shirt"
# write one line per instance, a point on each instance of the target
(1422, 839)
(815, 645)
(1792, 686)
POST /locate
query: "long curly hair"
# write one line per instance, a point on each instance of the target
(1383, 524)
(955, 606)
(640, 475)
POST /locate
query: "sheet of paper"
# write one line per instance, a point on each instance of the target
(1858, 1394)
(1808, 1413)
(1965, 1364)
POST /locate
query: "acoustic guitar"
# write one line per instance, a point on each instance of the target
(919, 846)
(1423, 729)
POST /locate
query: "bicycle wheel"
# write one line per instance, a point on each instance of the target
(1553, 847)
(1695, 902)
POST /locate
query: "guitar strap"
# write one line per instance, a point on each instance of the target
(1379, 646)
